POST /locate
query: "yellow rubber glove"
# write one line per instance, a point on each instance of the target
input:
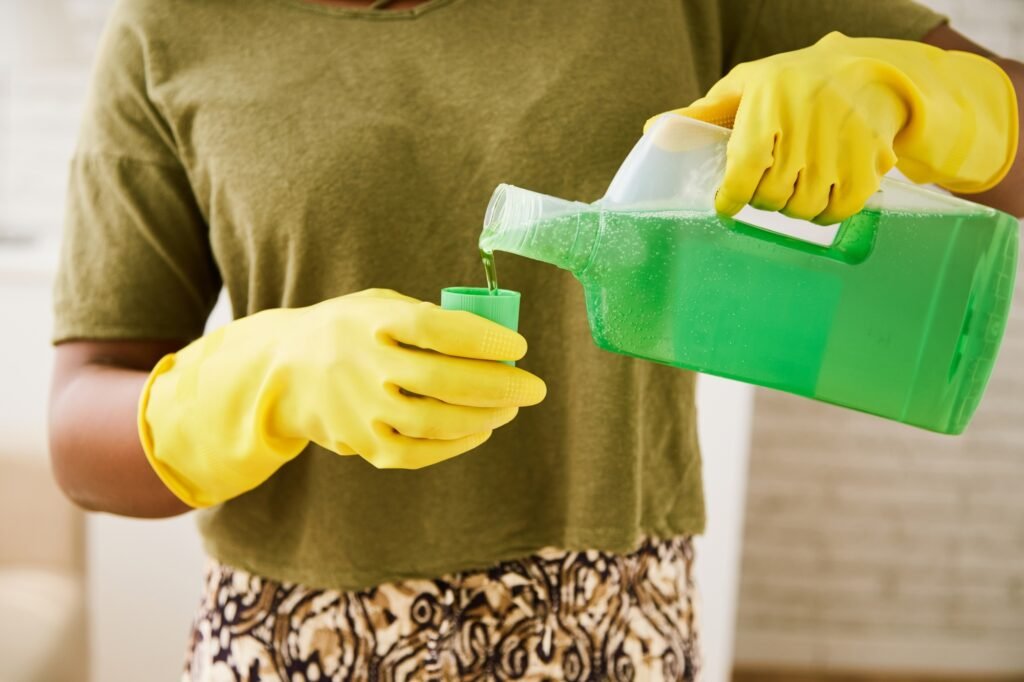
(398, 381)
(815, 129)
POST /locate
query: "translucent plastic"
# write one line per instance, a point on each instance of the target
(900, 316)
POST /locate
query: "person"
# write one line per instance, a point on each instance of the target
(373, 501)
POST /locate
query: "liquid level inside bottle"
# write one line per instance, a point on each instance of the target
(886, 335)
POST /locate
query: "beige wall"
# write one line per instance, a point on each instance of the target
(870, 545)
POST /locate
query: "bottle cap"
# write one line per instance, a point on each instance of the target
(501, 307)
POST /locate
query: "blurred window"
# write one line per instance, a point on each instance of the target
(46, 50)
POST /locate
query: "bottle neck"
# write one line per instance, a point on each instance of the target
(541, 227)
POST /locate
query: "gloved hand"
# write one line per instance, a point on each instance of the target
(400, 382)
(815, 129)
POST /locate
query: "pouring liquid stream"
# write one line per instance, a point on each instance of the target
(490, 272)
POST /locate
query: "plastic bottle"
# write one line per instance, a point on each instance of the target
(901, 315)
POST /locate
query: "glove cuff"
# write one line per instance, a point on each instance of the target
(167, 475)
(203, 424)
(963, 128)
(990, 104)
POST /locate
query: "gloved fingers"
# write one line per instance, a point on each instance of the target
(390, 294)
(860, 172)
(455, 332)
(858, 180)
(426, 417)
(462, 381)
(810, 196)
(749, 155)
(885, 160)
(820, 169)
(779, 182)
(847, 200)
(750, 152)
(397, 451)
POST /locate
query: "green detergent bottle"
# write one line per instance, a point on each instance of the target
(898, 311)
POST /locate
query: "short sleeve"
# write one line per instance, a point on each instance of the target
(760, 28)
(135, 257)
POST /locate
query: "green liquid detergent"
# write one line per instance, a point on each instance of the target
(490, 271)
(901, 316)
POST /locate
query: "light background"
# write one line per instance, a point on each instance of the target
(859, 555)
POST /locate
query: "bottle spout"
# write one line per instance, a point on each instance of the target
(540, 227)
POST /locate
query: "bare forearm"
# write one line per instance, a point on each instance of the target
(97, 457)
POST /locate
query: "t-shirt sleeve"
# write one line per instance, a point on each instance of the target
(135, 257)
(759, 28)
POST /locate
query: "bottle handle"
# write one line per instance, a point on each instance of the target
(850, 241)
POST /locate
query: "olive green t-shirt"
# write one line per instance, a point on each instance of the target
(296, 151)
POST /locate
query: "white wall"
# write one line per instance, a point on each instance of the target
(144, 580)
(25, 353)
(46, 49)
(724, 417)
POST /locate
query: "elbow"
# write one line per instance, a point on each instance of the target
(77, 477)
(63, 467)
(66, 457)
(95, 454)
(74, 493)
(79, 500)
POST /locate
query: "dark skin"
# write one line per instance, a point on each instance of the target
(96, 454)
(94, 443)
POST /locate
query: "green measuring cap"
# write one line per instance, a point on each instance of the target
(501, 307)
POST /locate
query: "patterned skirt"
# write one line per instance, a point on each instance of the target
(553, 615)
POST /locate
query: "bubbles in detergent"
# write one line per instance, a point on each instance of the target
(697, 291)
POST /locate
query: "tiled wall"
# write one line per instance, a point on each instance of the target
(874, 546)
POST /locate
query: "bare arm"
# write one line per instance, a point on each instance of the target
(1008, 195)
(96, 454)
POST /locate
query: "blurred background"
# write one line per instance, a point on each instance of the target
(839, 546)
